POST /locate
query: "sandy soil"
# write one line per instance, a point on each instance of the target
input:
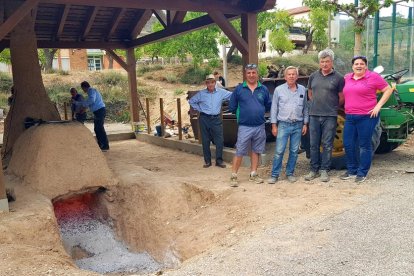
(168, 205)
(165, 203)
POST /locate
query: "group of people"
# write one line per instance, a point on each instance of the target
(96, 105)
(294, 112)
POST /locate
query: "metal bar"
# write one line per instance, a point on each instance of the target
(410, 40)
(394, 12)
(180, 130)
(162, 116)
(376, 31)
(147, 104)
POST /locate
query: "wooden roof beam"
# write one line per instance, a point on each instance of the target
(117, 18)
(180, 5)
(142, 21)
(16, 17)
(117, 59)
(161, 16)
(228, 29)
(62, 21)
(188, 26)
(179, 17)
(41, 44)
(91, 18)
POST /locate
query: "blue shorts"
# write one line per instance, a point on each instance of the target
(250, 138)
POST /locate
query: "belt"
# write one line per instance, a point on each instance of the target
(292, 121)
(208, 115)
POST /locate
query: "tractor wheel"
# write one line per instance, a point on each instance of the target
(338, 150)
(385, 146)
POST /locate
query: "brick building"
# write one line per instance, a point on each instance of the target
(82, 60)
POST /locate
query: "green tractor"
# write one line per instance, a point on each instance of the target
(396, 120)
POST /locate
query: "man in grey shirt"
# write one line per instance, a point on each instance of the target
(325, 94)
(289, 118)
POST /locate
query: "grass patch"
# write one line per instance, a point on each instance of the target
(149, 68)
(194, 75)
(170, 78)
(178, 92)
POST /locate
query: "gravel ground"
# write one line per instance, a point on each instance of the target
(373, 238)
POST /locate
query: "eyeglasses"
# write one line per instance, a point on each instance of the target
(250, 66)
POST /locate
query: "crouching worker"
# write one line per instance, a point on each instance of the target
(78, 111)
(289, 118)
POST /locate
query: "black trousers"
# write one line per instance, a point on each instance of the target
(211, 131)
(98, 127)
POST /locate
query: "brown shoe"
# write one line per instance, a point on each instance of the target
(207, 165)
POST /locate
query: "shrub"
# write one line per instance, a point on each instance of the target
(149, 68)
(111, 78)
(63, 73)
(262, 70)
(59, 92)
(171, 78)
(194, 75)
(147, 92)
(178, 92)
(306, 63)
(236, 60)
(6, 82)
(214, 63)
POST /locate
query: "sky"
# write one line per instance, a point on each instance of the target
(288, 4)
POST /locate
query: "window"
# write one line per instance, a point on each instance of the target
(94, 63)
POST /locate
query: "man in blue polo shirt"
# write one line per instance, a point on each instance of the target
(250, 100)
(97, 106)
(208, 102)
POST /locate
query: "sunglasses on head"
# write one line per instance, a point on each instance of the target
(250, 66)
(364, 58)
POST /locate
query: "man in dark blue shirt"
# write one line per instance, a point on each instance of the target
(97, 106)
(208, 103)
(250, 100)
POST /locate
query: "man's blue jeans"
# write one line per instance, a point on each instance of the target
(358, 131)
(322, 130)
(292, 132)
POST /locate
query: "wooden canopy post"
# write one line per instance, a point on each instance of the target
(132, 80)
(249, 34)
(4, 204)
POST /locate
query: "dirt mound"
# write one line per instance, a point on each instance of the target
(56, 159)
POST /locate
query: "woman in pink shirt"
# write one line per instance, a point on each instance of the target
(362, 115)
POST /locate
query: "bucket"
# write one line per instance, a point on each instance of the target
(139, 127)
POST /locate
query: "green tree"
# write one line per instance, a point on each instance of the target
(5, 56)
(200, 45)
(279, 23)
(280, 42)
(314, 29)
(359, 13)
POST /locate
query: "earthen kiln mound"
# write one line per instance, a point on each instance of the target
(53, 163)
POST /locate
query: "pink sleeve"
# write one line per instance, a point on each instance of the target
(379, 81)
